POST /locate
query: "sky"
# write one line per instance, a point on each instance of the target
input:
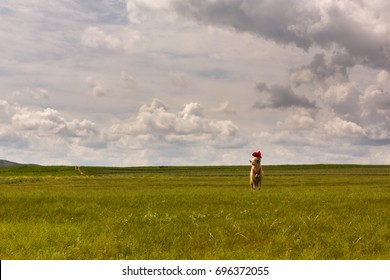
(194, 82)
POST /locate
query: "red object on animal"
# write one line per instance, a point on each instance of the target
(256, 154)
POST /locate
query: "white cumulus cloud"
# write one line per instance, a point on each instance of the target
(155, 123)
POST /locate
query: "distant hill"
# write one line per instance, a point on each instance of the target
(6, 163)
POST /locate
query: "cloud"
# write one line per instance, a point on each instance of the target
(320, 71)
(178, 79)
(10, 138)
(224, 107)
(304, 24)
(375, 109)
(341, 128)
(278, 96)
(156, 125)
(325, 64)
(301, 120)
(5, 109)
(375, 100)
(49, 122)
(44, 132)
(38, 94)
(129, 80)
(383, 78)
(345, 25)
(343, 99)
(270, 19)
(95, 37)
(81, 129)
(136, 8)
(96, 87)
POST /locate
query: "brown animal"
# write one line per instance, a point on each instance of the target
(256, 175)
(78, 170)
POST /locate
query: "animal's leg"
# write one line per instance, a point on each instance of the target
(261, 179)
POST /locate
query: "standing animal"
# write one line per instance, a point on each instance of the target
(256, 174)
(78, 170)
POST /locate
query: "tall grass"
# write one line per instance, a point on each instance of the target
(302, 212)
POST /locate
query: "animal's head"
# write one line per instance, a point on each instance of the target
(257, 154)
(255, 161)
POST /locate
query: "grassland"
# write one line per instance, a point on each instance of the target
(302, 212)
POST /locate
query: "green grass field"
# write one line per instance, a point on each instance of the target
(302, 212)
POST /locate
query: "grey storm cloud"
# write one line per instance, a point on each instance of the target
(319, 70)
(304, 24)
(280, 96)
(270, 19)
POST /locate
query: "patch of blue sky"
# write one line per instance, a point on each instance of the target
(4, 11)
(175, 55)
(219, 74)
(112, 12)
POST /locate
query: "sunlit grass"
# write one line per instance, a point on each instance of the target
(303, 212)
